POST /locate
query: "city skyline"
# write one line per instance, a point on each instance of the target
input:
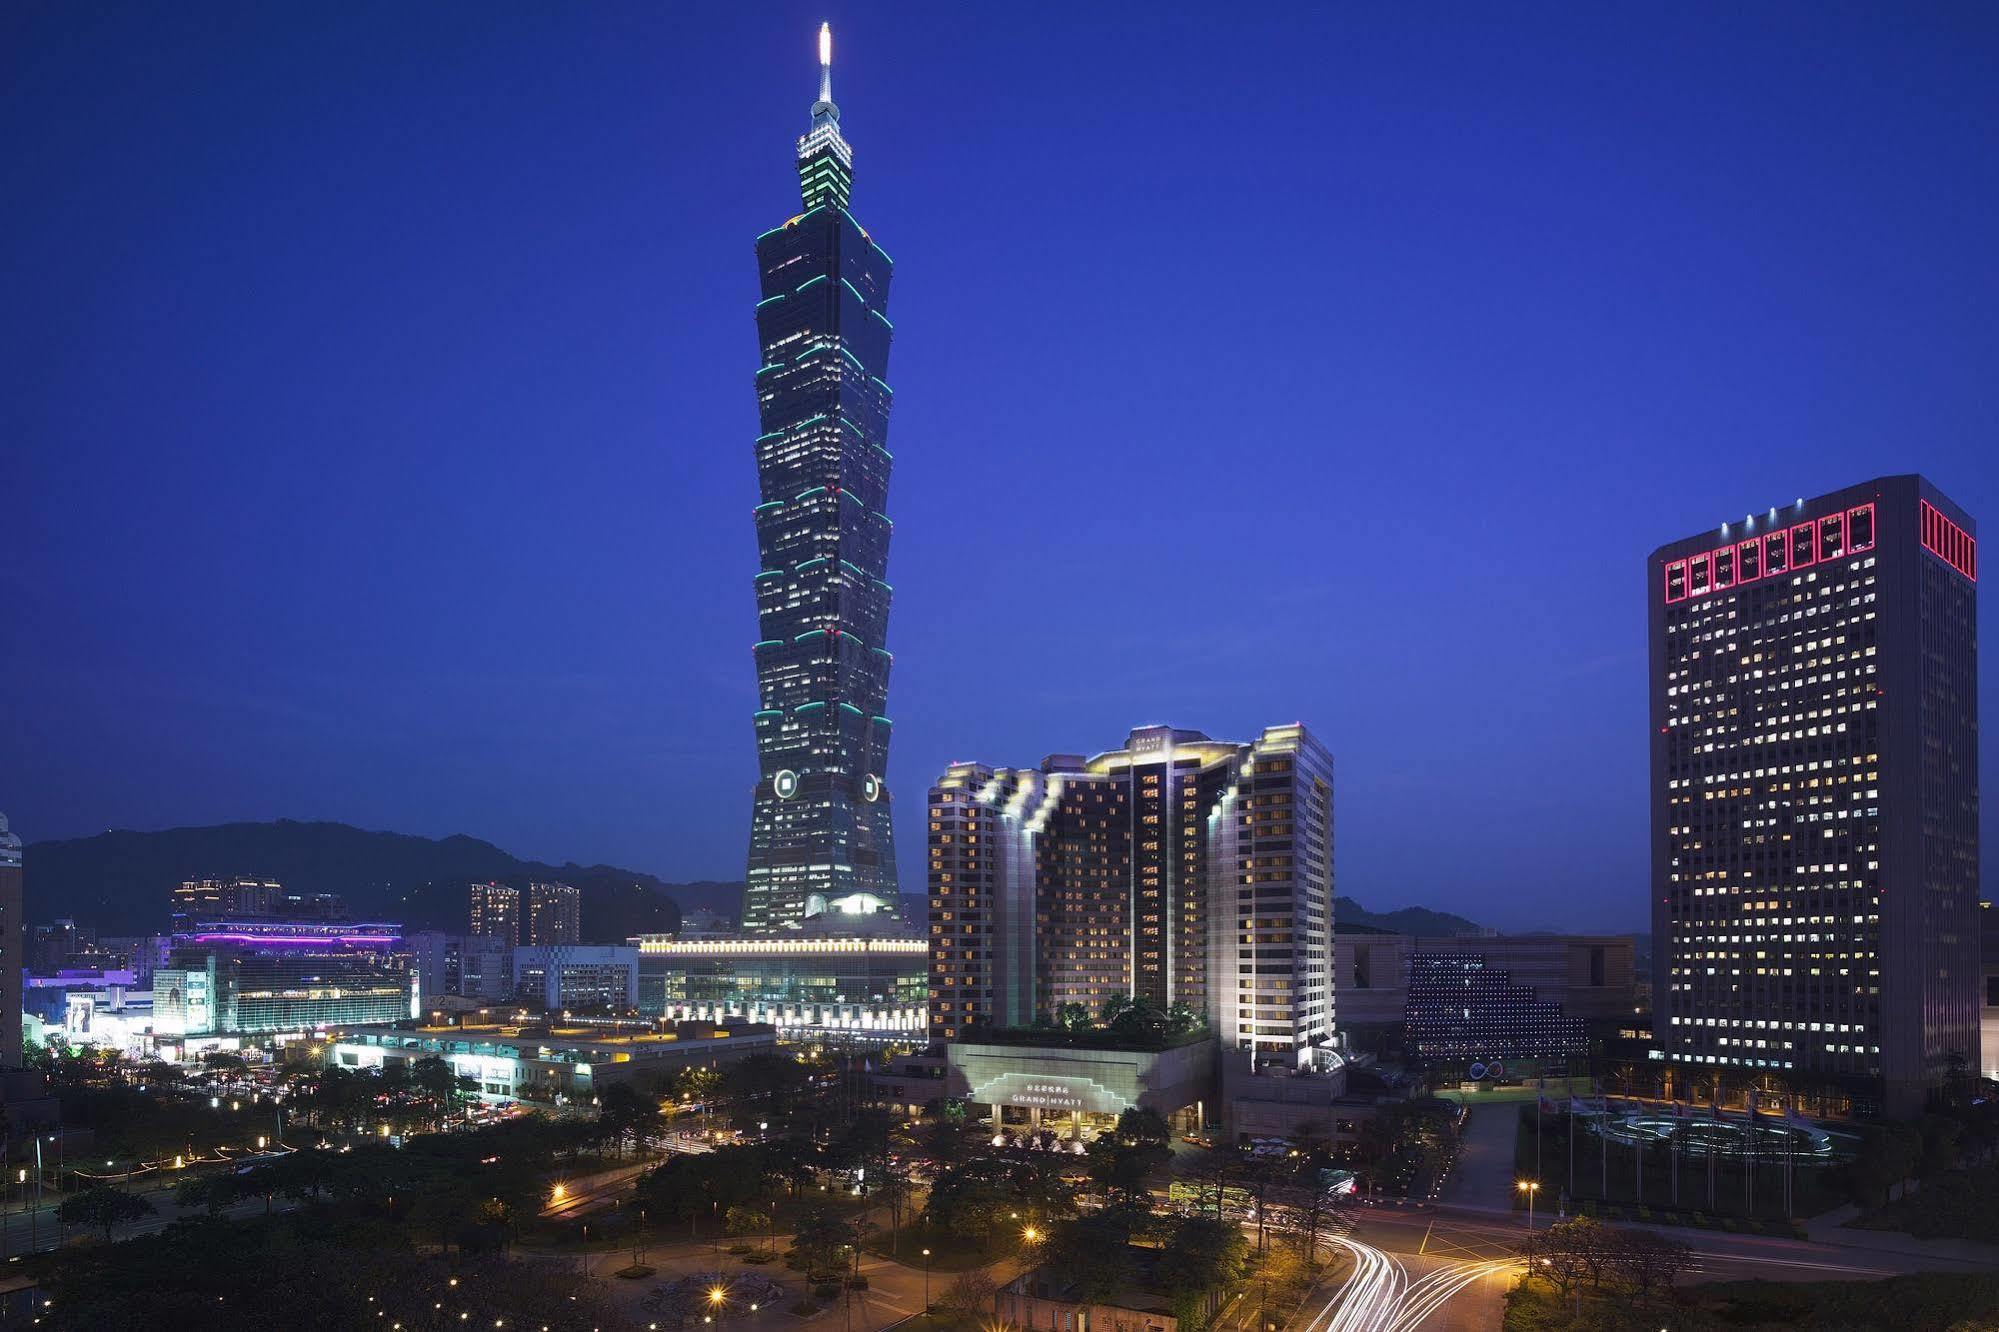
(1519, 391)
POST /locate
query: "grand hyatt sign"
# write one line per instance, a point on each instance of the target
(1065, 1080)
(1041, 1091)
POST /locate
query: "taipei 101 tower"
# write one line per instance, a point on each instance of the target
(820, 829)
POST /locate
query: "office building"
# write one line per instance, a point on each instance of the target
(136, 953)
(555, 912)
(1178, 869)
(820, 820)
(59, 944)
(578, 977)
(1814, 701)
(1988, 1012)
(473, 966)
(705, 923)
(809, 983)
(216, 899)
(1535, 999)
(496, 911)
(13, 957)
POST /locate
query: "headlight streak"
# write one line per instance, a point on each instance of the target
(1378, 1296)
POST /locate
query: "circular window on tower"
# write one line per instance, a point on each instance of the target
(785, 784)
(872, 787)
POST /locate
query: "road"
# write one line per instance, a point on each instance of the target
(589, 1192)
(39, 1231)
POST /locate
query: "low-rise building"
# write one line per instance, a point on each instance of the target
(1533, 999)
(113, 1018)
(578, 977)
(543, 1062)
(279, 977)
(1040, 1301)
(1042, 1081)
(804, 981)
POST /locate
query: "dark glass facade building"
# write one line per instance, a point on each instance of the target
(1814, 697)
(820, 824)
(12, 958)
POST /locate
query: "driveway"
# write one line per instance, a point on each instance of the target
(1483, 1175)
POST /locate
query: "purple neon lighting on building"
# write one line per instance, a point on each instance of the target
(320, 940)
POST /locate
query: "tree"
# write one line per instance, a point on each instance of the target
(1208, 1255)
(622, 1113)
(103, 1205)
(1140, 1126)
(1569, 1252)
(1182, 1018)
(1884, 1160)
(820, 1240)
(742, 1221)
(437, 1088)
(1649, 1261)
(1091, 1256)
(1073, 1017)
(967, 1200)
(1121, 1171)
(970, 1295)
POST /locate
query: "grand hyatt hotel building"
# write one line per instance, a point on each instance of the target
(1178, 868)
(1814, 724)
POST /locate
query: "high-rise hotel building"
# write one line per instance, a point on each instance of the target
(820, 823)
(495, 911)
(1814, 695)
(554, 914)
(1179, 869)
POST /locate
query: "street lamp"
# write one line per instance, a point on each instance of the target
(1530, 1187)
(926, 1281)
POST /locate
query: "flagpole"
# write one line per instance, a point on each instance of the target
(1673, 1145)
(1638, 1163)
(1713, 1141)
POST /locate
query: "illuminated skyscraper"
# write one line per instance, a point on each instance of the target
(820, 825)
(1815, 794)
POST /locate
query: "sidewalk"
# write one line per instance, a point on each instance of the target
(1831, 1228)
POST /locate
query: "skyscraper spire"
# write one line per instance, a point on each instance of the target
(825, 162)
(826, 71)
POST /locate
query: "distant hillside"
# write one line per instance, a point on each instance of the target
(1403, 920)
(121, 881)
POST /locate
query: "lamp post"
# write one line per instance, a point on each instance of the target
(926, 1281)
(1530, 1187)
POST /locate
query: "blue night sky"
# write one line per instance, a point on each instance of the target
(375, 393)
